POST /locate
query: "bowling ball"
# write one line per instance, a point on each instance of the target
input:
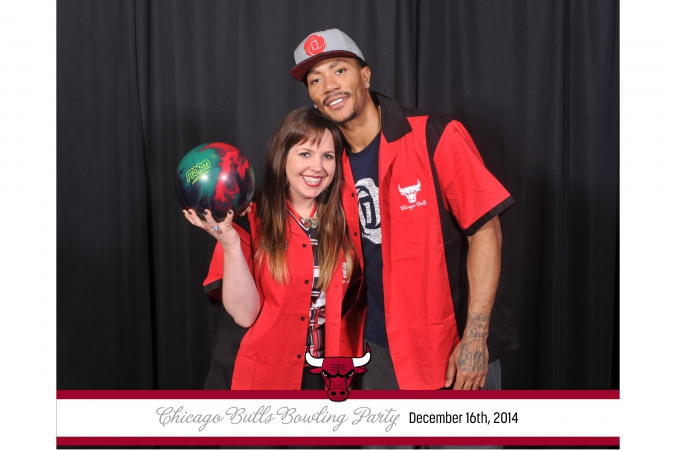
(217, 177)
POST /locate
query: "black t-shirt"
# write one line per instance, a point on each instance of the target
(365, 173)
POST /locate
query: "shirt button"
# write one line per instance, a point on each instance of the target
(355, 233)
(307, 281)
(353, 194)
(302, 319)
(298, 356)
(304, 245)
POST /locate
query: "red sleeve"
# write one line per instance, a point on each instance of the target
(470, 191)
(214, 280)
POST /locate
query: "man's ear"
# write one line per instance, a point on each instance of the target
(366, 75)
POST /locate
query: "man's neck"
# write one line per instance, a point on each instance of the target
(360, 131)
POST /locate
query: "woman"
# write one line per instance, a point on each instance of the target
(287, 277)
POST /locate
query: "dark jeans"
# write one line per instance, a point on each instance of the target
(380, 372)
(380, 376)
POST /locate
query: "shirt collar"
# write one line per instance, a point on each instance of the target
(393, 120)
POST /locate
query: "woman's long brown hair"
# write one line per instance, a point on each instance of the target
(300, 126)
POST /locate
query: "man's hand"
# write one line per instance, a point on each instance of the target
(468, 364)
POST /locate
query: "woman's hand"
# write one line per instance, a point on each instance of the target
(223, 232)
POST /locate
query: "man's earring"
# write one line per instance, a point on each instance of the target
(315, 106)
(368, 85)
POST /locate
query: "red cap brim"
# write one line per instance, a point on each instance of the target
(302, 69)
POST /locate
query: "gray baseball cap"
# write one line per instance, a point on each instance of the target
(322, 45)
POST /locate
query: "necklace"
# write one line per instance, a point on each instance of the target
(309, 222)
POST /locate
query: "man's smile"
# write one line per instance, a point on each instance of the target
(336, 100)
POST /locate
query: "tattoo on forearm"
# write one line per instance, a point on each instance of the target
(473, 354)
(477, 326)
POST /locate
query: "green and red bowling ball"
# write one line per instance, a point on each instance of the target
(217, 177)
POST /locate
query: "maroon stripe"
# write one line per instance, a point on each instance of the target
(362, 395)
(338, 441)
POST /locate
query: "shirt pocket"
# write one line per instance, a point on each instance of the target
(412, 196)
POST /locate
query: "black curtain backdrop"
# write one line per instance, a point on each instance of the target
(139, 83)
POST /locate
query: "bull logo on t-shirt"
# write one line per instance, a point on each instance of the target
(410, 192)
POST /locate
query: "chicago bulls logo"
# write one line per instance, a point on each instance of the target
(338, 372)
(410, 192)
(314, 45)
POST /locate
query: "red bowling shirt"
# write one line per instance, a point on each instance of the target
(272, 353)
(423, 239)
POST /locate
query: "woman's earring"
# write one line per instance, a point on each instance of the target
(315, 106)
(368, 85)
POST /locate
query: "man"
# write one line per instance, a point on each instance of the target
(427, 211)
